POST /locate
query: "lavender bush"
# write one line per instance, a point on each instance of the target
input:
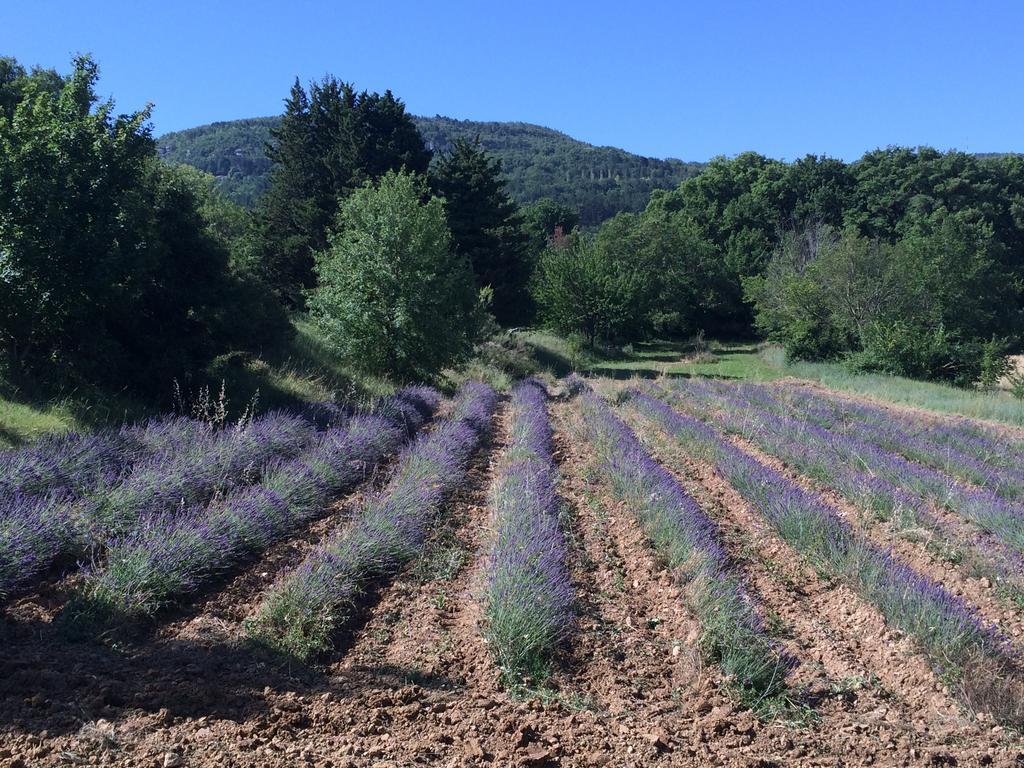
(32, 534)
(43, 483)
(894, 479)
(950, 633)
(167, 555)
(69, 494)
(194, 473)
(529, 594)
(73, 464)
(303, 610)
(689, 542)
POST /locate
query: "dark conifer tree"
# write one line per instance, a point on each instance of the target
(330, 141)
(486, 227)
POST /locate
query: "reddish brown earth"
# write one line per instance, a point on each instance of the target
(414, 683)
(864, 679)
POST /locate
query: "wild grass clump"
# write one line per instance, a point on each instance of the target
(304, 609)
(165, 556)
(949, 633)
(689, 543)
(529, 593)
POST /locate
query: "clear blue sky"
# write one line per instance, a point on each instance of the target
(666, 79)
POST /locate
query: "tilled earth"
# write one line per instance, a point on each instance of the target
(413, 683)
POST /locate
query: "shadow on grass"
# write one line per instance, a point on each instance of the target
(11, 438)
(624, 374)
(557, 363)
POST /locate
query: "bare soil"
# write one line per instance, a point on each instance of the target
(415, 684)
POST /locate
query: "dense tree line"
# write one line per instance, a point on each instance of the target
(118, 268)
(907, 261)
(109, 270)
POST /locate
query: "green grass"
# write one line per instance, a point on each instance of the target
(942, 398)
(754, 362)
(21, 422)
(306, 369)
(653, 359)
(25, 417)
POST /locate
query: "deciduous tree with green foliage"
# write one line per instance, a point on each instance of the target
(331, 140)
(934, 304)
(583, 287)
(545, 218)
(392, 294)
(109, 272)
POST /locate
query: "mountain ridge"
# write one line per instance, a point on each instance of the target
(538, 161)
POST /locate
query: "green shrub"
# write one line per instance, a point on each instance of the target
(391, 294)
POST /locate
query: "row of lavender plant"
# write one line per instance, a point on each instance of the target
(996, 448)
(853, 469)
(303, 610)
(46, 510)
(529, 594)
(689, 542)
(810, 449)
(73, 464)
(961, 649)
(997, 516)
(39, 484)
(179, 463)
(193, 474)
(967, 459)
(167, 556)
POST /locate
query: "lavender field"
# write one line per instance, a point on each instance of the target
(676, 571)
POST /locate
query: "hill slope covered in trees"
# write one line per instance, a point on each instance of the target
(539, 162)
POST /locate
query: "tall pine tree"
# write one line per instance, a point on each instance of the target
(486, 227)
(331, 140)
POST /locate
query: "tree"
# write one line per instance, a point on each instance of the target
(109, 271)
(15, 79)
(67, 172)
(583, 287)
(931, 305)
(545, 218)
(486, 227)
(330, 141)
(392, 293)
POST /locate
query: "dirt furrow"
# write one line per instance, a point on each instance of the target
(978, 592)
(878, 683)
(636, 656)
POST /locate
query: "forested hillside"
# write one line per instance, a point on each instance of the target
(538, 162)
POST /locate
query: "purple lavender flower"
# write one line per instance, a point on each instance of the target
(302, 611)
(529, 593)
(32, 535)
(164, 556)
